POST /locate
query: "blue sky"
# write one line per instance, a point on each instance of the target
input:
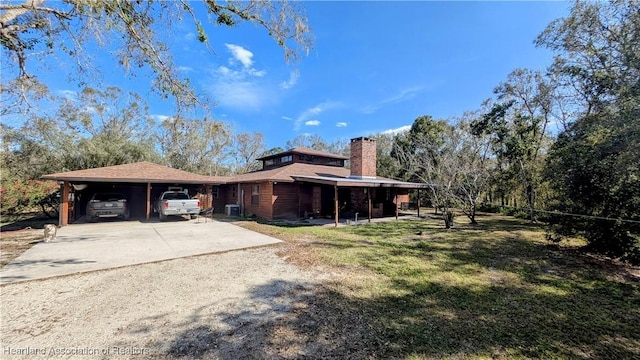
(376, 66)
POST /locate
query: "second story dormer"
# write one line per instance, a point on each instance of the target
(302, 155)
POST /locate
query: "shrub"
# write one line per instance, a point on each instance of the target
(17, 195)
(486, 207)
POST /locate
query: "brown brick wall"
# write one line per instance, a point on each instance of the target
(403, 196)
(359, 201)
(363, 157)
(227, 194)
(264, 207)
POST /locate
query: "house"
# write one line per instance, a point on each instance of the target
(302, 182)
(297, 183)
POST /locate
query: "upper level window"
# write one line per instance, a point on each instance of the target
(286, 158)
(269, 162)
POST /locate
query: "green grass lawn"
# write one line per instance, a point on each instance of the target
(411, 289)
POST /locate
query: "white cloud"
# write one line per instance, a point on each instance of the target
(162, 118)
(399, 130)
(341, 124)
(241, 54)
(185, 68)
(68, 94)
(293, 79)
(190, 36)
(313, 112)
(257, 73)
(312, 123)
(403, 95)
(237, 85)
(239, 94)
(287, 118)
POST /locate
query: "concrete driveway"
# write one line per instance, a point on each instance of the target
(90, 247)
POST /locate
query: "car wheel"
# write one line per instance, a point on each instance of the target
(162, 217)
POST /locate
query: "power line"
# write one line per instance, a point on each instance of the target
(577, 215)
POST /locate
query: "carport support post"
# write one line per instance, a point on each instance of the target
(64, 204)
(148, 214)
(397, 204)
(335, 187)
(418, 202)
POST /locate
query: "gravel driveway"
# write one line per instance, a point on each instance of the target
(198, 307)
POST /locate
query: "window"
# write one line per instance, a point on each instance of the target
(269, 162)
(255, 194)
(233, 192)
(286, 158)
(214, 192)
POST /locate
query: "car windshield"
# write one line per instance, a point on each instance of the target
(108, 197)
(176, 196)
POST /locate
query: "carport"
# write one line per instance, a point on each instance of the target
(140, 182)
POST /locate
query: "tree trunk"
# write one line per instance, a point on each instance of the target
(473, 216)
(530, 201)
(448, 218)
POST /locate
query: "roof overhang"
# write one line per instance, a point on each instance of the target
(362, 183)
(85, 179)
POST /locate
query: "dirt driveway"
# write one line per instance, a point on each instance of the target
(90, 247)
(219, 306)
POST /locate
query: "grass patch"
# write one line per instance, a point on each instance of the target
(19, 232)
(411, 289)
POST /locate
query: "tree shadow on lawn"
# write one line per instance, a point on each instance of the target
(459, 296)
(427, 320)
(35, 222)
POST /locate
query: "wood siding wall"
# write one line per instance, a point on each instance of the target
(288, 200)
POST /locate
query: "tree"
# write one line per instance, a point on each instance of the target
(199, 146)
(94, 129)
(595, 171)
(596, 54)
(473, 163)
(315, 142)
(272, 151)
(593, 167)
(22, 158)
(518, 125)
(36, 30)
(247, 147)
(448, 156)
(386, 166)
(427, 157)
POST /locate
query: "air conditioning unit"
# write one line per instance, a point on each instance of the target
(232, 210)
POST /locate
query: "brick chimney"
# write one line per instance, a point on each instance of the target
(363, 158)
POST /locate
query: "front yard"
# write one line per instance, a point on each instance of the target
(401, 289)
(411, 289)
